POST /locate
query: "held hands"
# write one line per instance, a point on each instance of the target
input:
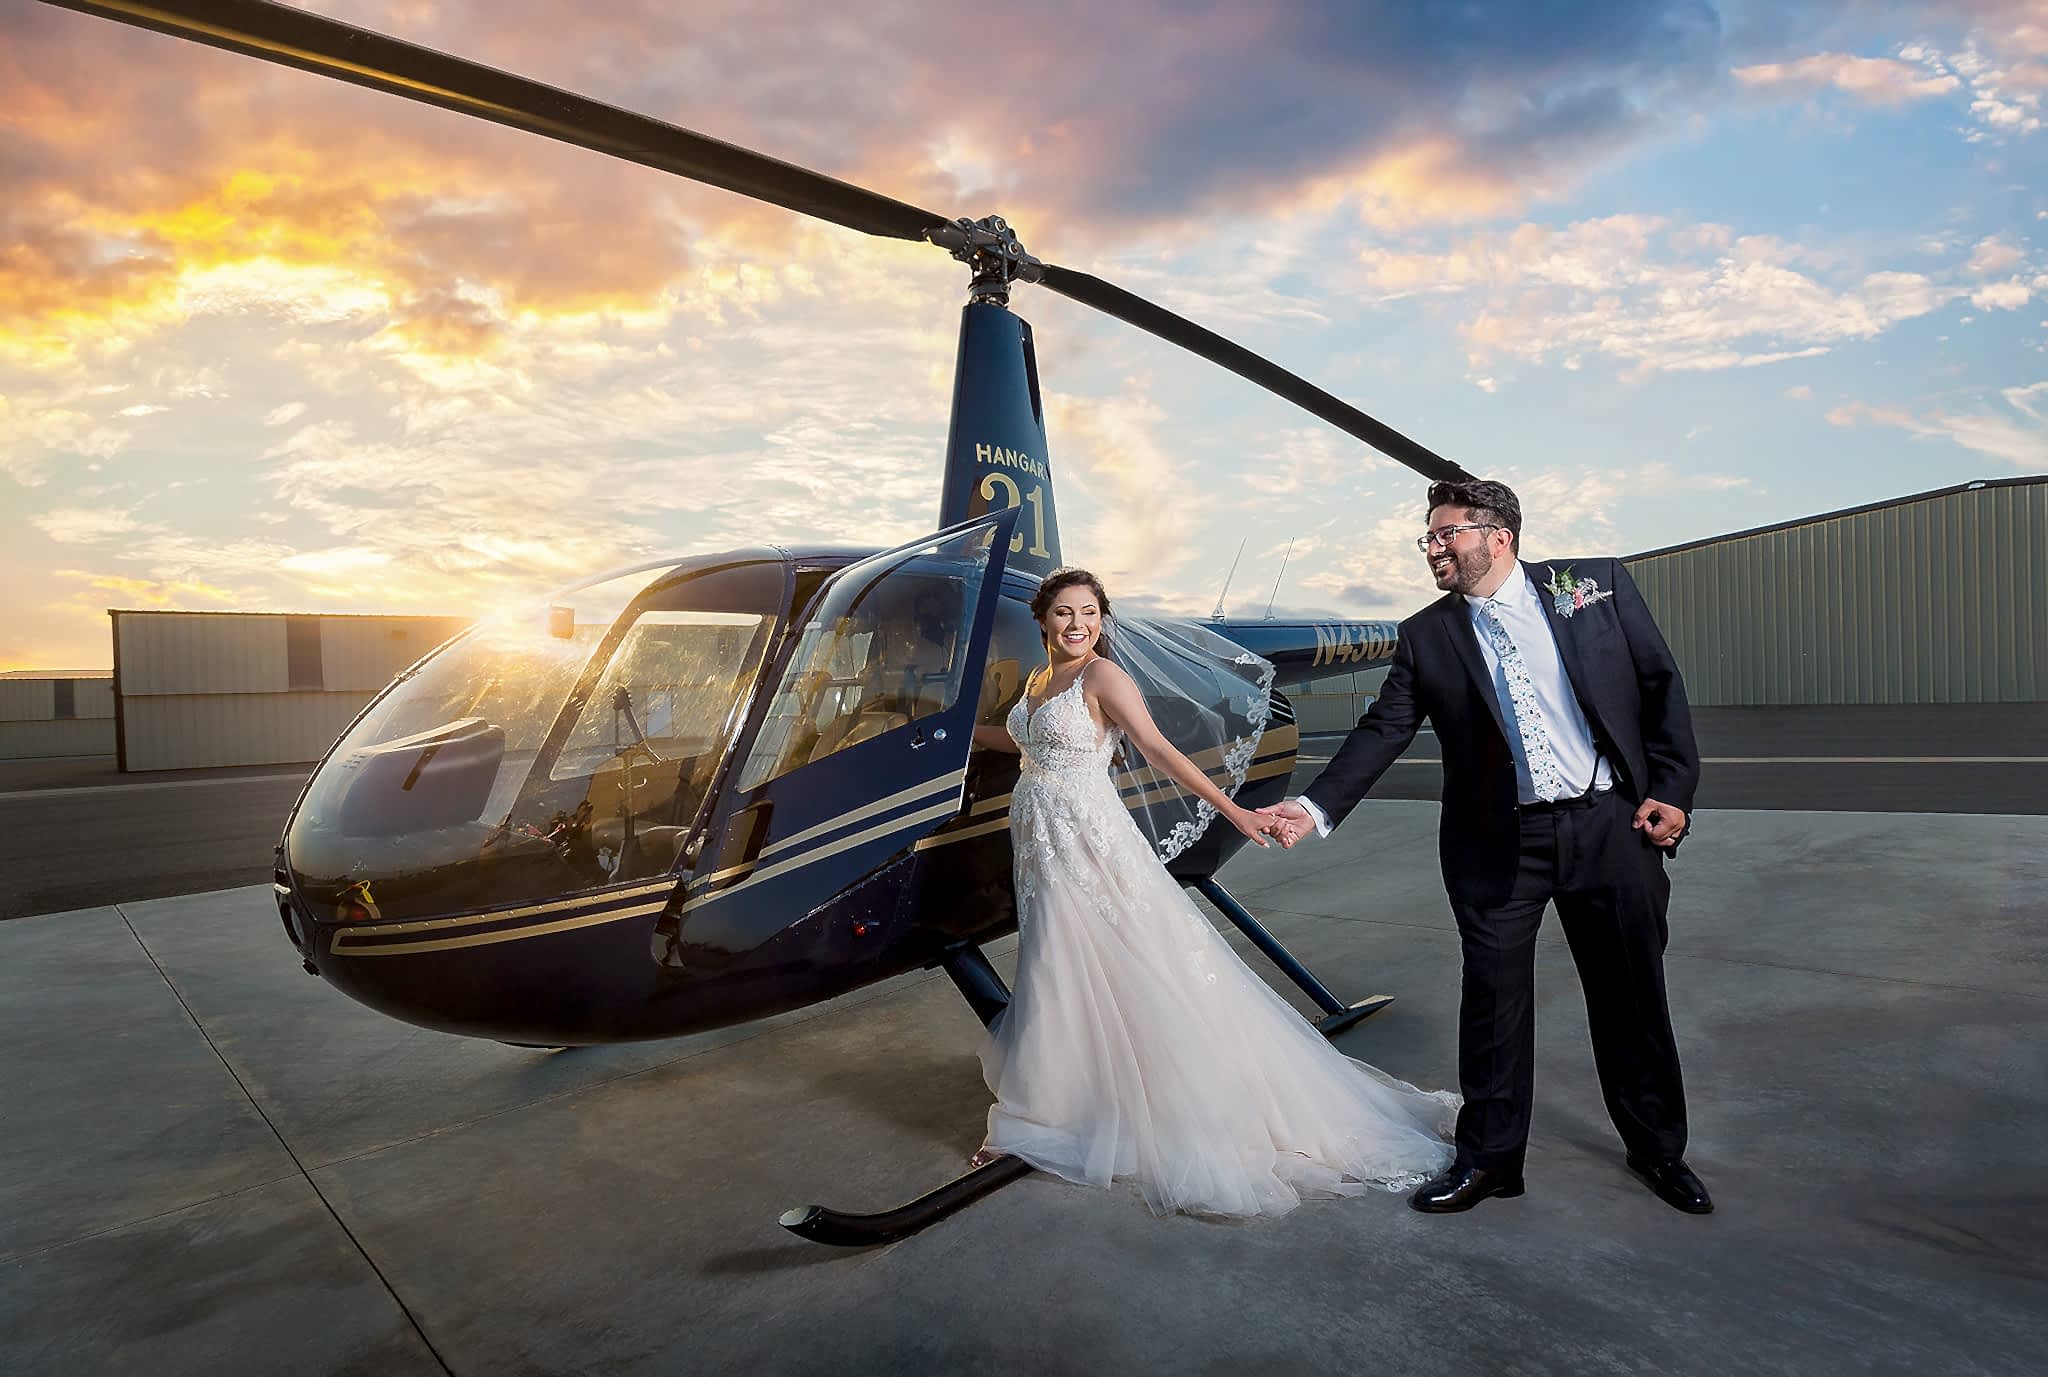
(1286, 823)
(1282, 822)
(1251, 824)
(1660, 822)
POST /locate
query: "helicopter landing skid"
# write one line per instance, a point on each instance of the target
(985, 993)
(838, 1230)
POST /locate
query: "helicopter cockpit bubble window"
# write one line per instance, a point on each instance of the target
(562, 748)
(886, 647)
(667, 691)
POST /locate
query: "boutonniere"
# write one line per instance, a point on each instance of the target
(1568, 595)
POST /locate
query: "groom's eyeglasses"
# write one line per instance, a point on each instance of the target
(1442, 536)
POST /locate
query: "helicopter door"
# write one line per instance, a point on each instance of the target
(862, 749)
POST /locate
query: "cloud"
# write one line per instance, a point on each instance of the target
(342, 560)
(1658, 295)
(81, 526)
(1878, 80)
(1994, 254)
(1307, 459)
(41, 429)
(2017, 435)
(1125, 512)
(2009, 295)
(1568, 510)
(2005, 100)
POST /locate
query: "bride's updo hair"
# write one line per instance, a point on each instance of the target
(1049, 592)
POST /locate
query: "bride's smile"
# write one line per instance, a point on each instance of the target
(1073, 626)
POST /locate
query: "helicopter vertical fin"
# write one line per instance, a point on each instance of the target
(995, 447)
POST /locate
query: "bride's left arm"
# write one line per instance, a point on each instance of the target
(1116, 693)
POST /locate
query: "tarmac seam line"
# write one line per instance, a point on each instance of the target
(61, 790)
(91, 1234)
(1853, 975)
(305, 1175)
(1548, 940)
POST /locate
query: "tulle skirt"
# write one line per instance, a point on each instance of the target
(1138, 1048)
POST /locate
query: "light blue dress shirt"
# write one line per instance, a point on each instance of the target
(1571, 738)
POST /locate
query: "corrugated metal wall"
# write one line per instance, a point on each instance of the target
(215, 688)
(1936, 599)
(1334, 704)
(59, 715)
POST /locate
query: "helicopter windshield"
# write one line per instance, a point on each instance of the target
(564, 749)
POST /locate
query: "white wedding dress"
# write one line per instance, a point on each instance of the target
(1137, 1046)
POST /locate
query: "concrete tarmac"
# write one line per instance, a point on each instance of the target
(211, 1162)
(78, 833)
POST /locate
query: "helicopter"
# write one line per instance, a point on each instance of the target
(701, 791)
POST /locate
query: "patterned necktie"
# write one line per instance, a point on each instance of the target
(1543, 770)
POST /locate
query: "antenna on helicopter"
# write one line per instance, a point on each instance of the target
(1217, 615)
(1281, 575)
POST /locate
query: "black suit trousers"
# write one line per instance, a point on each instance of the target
(1611, 892)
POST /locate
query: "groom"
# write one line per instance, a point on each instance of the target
(1569, 771)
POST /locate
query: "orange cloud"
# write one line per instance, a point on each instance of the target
(135, 196)
(1433, 179)
(1879, 80)
(147, 592)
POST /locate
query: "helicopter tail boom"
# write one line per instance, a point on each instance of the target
(1306, 650)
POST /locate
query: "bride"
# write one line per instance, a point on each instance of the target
(1137, 1046)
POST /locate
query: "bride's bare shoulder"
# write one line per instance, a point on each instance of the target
(1108, 674)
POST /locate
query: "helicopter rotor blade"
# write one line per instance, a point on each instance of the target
(1090, 290)
(298, 38)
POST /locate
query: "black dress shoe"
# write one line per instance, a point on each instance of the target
(1460, 1188)
(1675, 1183)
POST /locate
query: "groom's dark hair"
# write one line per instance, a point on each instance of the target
(1491, 502)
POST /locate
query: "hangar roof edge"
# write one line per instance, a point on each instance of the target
(2027, 480)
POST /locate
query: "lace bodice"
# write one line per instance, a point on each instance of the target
(1061, 734)
(1064, 791)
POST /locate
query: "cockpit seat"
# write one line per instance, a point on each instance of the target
(874, 717)
(653, 852)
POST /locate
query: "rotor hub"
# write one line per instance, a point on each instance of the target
(991, 248)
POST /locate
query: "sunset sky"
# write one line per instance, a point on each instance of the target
(270, 342)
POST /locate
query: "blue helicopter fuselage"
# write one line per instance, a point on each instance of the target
(750, 787)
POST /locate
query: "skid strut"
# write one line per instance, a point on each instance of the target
(988, 996)
(1337, 1015)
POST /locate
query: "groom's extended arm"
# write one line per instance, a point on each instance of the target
(1374, 744)
(1672, 756)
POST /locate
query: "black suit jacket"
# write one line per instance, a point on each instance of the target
(1620, 670)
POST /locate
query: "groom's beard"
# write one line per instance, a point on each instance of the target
(1466, 569)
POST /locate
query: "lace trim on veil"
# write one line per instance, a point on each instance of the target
(1237, 762)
